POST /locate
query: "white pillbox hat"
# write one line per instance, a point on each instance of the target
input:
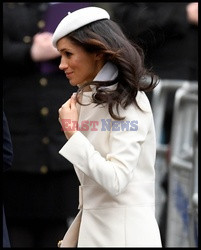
(78, 19)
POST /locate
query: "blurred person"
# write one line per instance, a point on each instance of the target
(168, 33)
(114, 164)
(7, 164)
(41, 189)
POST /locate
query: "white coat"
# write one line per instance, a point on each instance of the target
(115, 168)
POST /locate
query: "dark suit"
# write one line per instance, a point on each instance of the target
(163, 31)
(41, 181)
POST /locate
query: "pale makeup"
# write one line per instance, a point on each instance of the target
(78, 65)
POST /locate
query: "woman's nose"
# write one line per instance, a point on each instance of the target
(63, 64)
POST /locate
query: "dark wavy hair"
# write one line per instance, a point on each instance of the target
(106, 37)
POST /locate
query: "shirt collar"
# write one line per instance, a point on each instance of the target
(108, 73)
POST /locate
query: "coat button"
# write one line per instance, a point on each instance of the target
(41, 24)
(43, 169)
(26, 39)
(43, 81)
(45, 140)
(59, 243)
(44, 111)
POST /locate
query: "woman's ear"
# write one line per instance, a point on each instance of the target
(99, 56)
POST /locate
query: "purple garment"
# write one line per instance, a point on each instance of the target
(53, 15)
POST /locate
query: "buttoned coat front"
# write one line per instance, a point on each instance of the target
(114, 162)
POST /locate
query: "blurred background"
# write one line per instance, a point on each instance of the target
(40, 190)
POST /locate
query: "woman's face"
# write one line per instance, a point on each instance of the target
(78, 65)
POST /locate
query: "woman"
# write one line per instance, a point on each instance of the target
(110, 133)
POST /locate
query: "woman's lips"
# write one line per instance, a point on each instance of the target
(68, 74)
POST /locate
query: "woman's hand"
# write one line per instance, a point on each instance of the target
(68, 116)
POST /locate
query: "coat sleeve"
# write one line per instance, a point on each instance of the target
(114, 171)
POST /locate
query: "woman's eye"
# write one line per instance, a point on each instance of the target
(68, 54)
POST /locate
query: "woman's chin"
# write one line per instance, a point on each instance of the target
(73, 83)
